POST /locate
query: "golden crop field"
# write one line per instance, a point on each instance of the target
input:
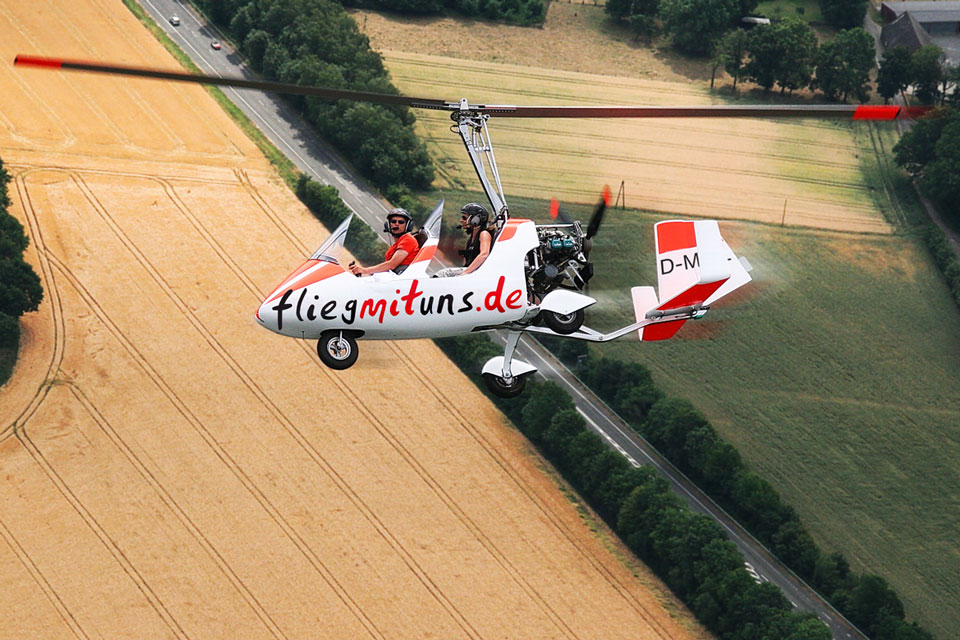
(804, 173)
(170, 470)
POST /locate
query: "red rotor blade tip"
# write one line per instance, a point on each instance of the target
(606, 194)
(37, 61)
(554, 208)
(876, 112)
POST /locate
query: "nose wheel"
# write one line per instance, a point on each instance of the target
(337, 349)
(505, 387)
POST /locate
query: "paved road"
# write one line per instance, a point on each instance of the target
(284, 127)
(282, 124)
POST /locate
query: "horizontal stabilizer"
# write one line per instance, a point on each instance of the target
(644, 303)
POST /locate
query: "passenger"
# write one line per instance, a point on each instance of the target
(474, 218)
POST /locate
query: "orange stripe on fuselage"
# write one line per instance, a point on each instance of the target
(510, 229)
(295, 281)
(426, 254)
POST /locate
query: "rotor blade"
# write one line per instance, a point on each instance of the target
(856, 112)
(279, 87)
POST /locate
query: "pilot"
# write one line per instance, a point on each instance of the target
(401, 253)
(474, 219)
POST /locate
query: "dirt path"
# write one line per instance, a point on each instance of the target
(170, 470)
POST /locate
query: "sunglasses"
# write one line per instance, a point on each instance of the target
(398, 221)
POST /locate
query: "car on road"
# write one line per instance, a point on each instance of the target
(175, 21)
(215, 44)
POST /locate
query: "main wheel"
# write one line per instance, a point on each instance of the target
(500, 387)
(337, 349)
(563, 324)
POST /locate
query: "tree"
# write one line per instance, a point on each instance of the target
(917, 148)
(696, 25)
(732, 51)
(20, 288)
(564, 427)
(927, 63)
(667, 426)
(720, 468)
(782, 53)
(844, 64)
(13, 240)
(796, 548)
(941, 177)
(895, 73)
(545, 400)
(619, 10)
(844, 14)
(871, 601)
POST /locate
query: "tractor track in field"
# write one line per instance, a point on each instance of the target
(56, 308)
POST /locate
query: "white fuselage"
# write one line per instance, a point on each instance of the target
(322, 296)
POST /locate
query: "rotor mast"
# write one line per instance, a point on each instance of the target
(475, 133)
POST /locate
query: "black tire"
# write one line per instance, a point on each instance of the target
(338, 350)
(499, 387)
(563, 324)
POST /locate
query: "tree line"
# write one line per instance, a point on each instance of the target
(315, 42)
(930, 152)
(20, 288)
(520, 12)
(696, 26)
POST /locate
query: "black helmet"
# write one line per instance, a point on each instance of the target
(478, 216)
(401, 213)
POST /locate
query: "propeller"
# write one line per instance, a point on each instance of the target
(594, 225)
(856, 112)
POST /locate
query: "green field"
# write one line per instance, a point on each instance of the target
(809, 10)
(836, 375)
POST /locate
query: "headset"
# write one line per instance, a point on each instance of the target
(478, 215)
(403, 214)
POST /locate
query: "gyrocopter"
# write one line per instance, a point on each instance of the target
(534, 277)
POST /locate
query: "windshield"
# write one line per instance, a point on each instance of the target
(333, 245)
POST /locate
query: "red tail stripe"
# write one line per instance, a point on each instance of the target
(694, 295)
(661, 330)
(675, 235)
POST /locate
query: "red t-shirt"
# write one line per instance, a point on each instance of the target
(407, 243)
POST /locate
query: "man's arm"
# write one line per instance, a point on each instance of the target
(398, 256)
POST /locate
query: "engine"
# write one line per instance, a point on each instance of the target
(560, 260)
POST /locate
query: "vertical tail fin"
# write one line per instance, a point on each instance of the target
(695, 267)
